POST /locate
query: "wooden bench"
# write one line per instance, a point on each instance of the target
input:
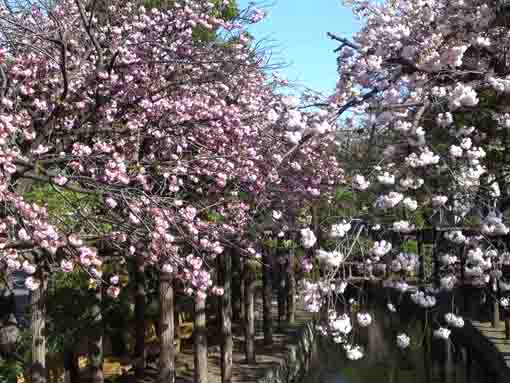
(184, 329)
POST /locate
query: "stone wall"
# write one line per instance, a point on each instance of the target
(300, 358)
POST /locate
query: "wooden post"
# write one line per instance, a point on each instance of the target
(249, 301)
(236, 286)
(200, 341)
(227, 345)
(267, 296)
(167, 329)
(291, 283)
(243, 288)
(140, 301)
(421, 256)
(436, 235)
(427, 354)
(462, 257)
(469, 365)
(96, 341)
(38, 329)
(282, 290)
(496, 320)
(447, 366)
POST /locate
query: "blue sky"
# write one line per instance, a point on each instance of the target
(296, 29)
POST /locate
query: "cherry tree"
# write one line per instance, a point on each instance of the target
(161, 128)
(425, 83)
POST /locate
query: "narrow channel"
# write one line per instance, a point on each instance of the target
(384, 362)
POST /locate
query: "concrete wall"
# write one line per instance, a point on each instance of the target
(300, 358)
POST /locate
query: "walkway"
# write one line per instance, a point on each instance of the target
(496, 336)
(267, 356)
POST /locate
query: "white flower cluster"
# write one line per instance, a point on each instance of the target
(403, 227)
(482, 41)
(32, 283)
(403, 341)
(442, 333)
(388, 201)
(364, 319)
(444, 119)
(439, 200)
(411, 183)
(311, 297)
(410, 204)
(448, 259)
(340, 286)
(340, 326)
(423, 300)
(463, 95)
(477, 258)
(448, 282)
(454, 320)
(402, 126)
(381, 248)
(407, 262)
(339, 230)
(353, 352)
(294, 137)
(425, 158)
(452, 56)
(401, 286)
(386, 178)
(455, 236)
(308, 238)
(504, 302)
(469, 176)
(503, 286)
(499, 84)
(331, 259)
(360, 183)
(494, 225)
(456, 151)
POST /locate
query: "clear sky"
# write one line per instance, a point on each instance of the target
(296, 29)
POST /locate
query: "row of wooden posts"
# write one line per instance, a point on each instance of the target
(238, 278)
(235, 274)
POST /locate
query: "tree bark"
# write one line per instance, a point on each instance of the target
(140, 301)
(96, 340)
(38, 329)
(236, 286)
(227, 345)
(200, 340)
(167, 329)
(249, 311)
(291, 285)
(267, 288)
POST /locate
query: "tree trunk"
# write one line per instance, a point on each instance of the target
(74, 373)
(200, 340)
(291, 286)
(267, 297)
(38, 328)
(249, 301)
(236, 286)
(140, 297)
(96, 340)
(166, 329)
(225, 269)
